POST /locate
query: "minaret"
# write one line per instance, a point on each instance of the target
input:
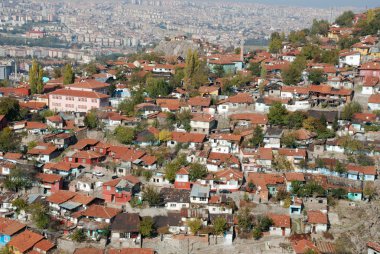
(242, 50)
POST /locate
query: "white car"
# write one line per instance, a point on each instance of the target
(98, 173)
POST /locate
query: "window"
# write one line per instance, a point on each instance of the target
(173, 205)
(94, 100)
(84, 160)
(108, 188)
(202, 199)
(194, 198)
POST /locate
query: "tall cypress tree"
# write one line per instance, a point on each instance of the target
(33, 76)
(68, 75)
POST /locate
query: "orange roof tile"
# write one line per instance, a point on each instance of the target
(253, 117)
(25, 241)
(226, 136)
(44, 245)
(131, 251)
(199, 101)
(78, 93)
(98, 211)
(366, 170)
(88, 251)
(280, 220)
(292, 152)
(374, 98)
(316, 217)
(184, 137)
(10, 227)
(49, 178)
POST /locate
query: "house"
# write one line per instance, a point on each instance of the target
(43, 152)
(199, 104)
(209, 91)
(219, 161)
(370, 69)
(272, 137)
(192, 140)
(350, 58)
(89, 251)
(172, 222)
(28, 241)
(291, 177)
(374, 101)
(94, 218)
(86, 182)
(125, 229)
(229, 179)
(61, 140)
(169, 105)
(6, 167)
(218, 205)
(85, 157)
(69, 100)
(281, 225)
(294, 156)
(182, 179)
(264, 157)
(55, 122)
(44, 246)
(129, 251)
(373, 248)
(50, 183)
(199, 194)
(202, 123)
(363, 173)
(121, 190)
(371, 85)
(148, 137)
(175, 199)
(296, 206)
(248, 121)
(238, 102)
(266, 185)
(304, 246)
(225, 143)
(354, 194)
(8, 229)
(90, 85)
(317, 221)
(231, 63)
(294, 92)
(36, 128)
(64, 169)
(67, 203)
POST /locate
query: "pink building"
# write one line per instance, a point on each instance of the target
(371, 69)
(68, 100)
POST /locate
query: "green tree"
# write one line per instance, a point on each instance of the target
(10, 107)
(157, 87)
(124, 135)
(35, 78)
(345, 19)
(194, 72)
(195, 225)
(151, 195)
(172, 167)
(91, 69)
(350, 109)
(91, 120)
(219, 70)
(219, 225)
(317, 76)
(275, 43)
(19, 179)
(245, 219)
(289, 140)
(127, 107)
(291, 75)
(255, 68)
(20, 204)
(9, 141)
(265, 223)
(147, 226)
(57, 73)
(257, 233)
(40, 215)
(320, 27)
(6, 250)
(339, 193)
(295, 119)
(78, 236)
(277, 114)
(258, 136)
(68, 74)
(340, 168)
(197, 171)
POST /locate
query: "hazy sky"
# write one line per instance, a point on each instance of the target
(362, 4)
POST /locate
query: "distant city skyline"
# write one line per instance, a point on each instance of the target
(361, 4)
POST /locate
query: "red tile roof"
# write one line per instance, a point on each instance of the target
(10, 227)
(366, 170)
(253, 117)
(89, 84)
(295, 89)
(77, 93)
(292, 152)
(202, 117)
(240, 98)
(365, 117)
(280, 220)
(316, 217)
(43, 148)
(171, 104)
(60, 197)
(44, 245)
(98, 211)
(374, 246)
(265, 153)
(374, 98)
(35, 125)
(199, 101)
(228, 174)
(302, 246)
(131, 251)
(13, 156)
(226, 136)
(25, 241)
(185, 137)
(49, 178)
(370, 66)
(88, 251)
